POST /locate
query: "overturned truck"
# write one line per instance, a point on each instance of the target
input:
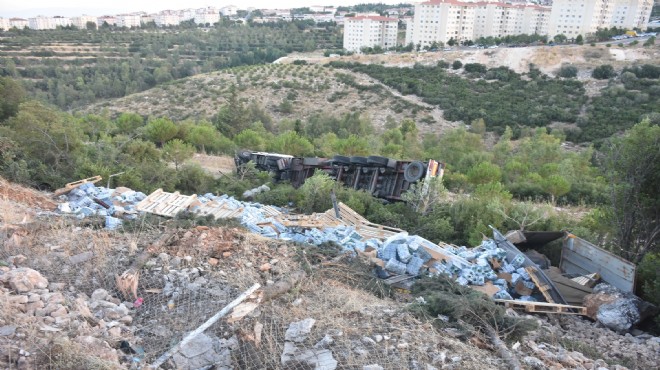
(383, 177)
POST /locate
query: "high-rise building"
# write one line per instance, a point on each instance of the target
(129, 20)
(444, 20)
(583, 17)
(4, 24)
(81, 22)
(370, 31)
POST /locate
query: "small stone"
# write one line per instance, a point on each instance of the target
(372, 367)
(34, 298)
(368, 341)
(274, 261)
(269, 282)
(188, 259)
(114, 332)
(213, 261)
(378, 338)
(265, 267)
(297, 331)
(61, 311)
(456, 359)
(226, 254)
(402, 345)
(99, 294)
(248, 264)
(126, 320)
(7, 330)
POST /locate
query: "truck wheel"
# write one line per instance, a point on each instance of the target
(414, 171)
(378, 160)
(245, 154)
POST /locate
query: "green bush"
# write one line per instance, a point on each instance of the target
(603, 72)
(567, 71)
(648, 274)
(457, 64)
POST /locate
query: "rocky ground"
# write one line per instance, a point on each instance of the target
(62, 308)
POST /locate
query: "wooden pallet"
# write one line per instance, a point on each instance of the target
(365, 228)
(165, 204)
(72, 185)
(542, 307)
(531, 271)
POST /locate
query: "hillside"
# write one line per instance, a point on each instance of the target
(65, 309)
(285, 91)
(297, 90)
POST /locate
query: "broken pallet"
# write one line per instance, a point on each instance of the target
(165, 204)
(72, 185)
(542, 287)
(542, 307)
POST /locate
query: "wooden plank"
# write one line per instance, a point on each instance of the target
(165, 204)
(541, 307)
(72, 185)
(542, 288)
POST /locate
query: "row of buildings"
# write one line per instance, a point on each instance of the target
(209, 15)
(437, 21)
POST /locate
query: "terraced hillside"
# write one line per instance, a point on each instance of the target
(286, 91)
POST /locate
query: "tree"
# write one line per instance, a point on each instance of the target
(457, 64)
(556, 186)
(161, 130)
(484, 173)
(560, 39)
(292, 143)
(631, 166)
(12, 95)
(127, 123)
(178, 152)
(579, 40)
(203, 135)
(424, 195)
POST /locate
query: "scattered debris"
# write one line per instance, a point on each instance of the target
(615, 309)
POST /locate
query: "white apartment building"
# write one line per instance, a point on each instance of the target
(59, 21)
(41, 23)
(129, 20)
(167, 18)
(19, 23)
(81, 22)
(370, 31)
(4, 24)
(207, 16)
(582, 17)
(110, 20)
(228, 11)
(443, 20)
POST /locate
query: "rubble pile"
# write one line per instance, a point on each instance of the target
(113, 204)
(33, 304)
(579, 343)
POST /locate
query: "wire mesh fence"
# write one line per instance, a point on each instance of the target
(81, 317)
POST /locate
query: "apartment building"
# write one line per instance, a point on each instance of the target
(41, 23)
(229, 11)
(19, 23)
(4, 24)
(582, 17)
(81, 22)
(444, 20)
(204, 16)
(129, 20)
(370, 31)
(109, 19)
(167, 18)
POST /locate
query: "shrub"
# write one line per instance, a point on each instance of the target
(475, 68)
(567, 71)
(457, 64)
(603, 72)
(468, 309)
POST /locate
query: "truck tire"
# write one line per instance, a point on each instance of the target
(245, 154)
(378, 160)
(340, 159)
(414, 171)
(360, 161)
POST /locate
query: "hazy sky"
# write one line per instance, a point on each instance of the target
(27, 8)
